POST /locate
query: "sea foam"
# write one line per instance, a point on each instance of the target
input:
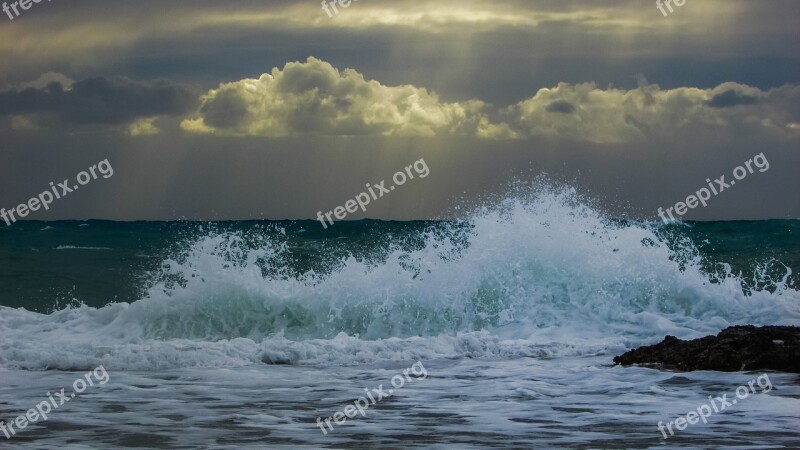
(539, 275)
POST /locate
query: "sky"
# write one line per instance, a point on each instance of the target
(277, 109)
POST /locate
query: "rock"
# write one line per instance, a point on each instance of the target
(733, 349)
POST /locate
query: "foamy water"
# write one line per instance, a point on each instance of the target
(569, 402)
(518, 312)
(543, 277)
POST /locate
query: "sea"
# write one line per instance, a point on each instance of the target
(251, 334)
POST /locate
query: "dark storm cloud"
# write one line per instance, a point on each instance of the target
(227, 110)
(561, 107)
(439, 77)
(444, 45)
(731, 98)
(100, 100)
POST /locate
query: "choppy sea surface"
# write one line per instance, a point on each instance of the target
(242, 334)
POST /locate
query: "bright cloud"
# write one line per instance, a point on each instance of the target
(315, 98)
(585, 112)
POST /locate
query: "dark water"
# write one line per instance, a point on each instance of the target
(242, 334)
(48, 265)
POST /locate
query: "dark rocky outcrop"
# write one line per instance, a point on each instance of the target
(733, 349)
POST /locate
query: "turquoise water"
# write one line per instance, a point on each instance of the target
(242, 334)
(48, 265)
